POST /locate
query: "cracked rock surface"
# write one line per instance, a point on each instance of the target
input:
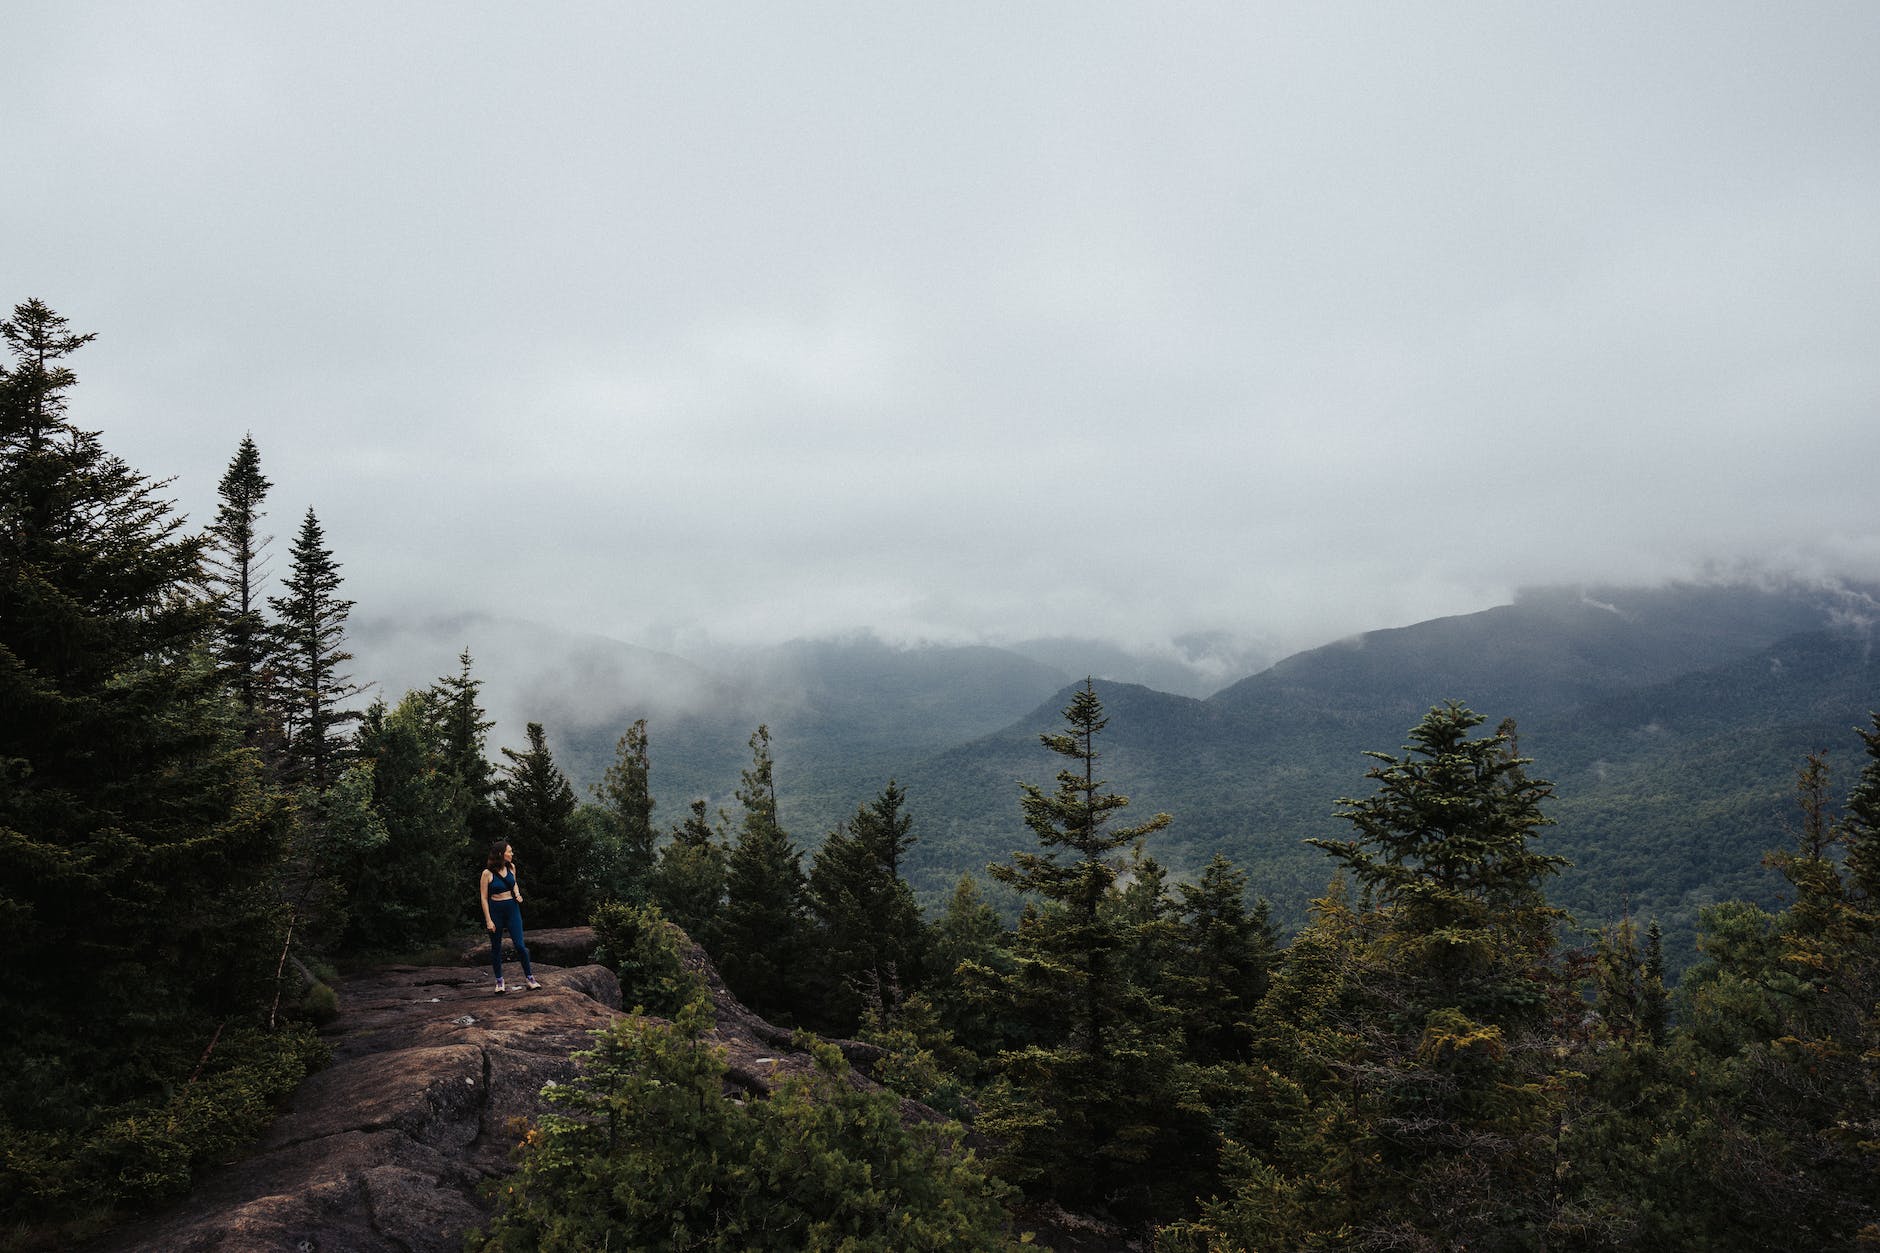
(387, 1147)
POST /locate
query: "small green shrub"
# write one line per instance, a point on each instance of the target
(651, 1154)
(920, 1059)
(136, 1155)
(639, 945)
(320, 1005)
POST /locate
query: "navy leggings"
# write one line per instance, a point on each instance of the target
(507, 914)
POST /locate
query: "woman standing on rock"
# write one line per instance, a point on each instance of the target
(501, 896)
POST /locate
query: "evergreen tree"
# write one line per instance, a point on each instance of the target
(1074, 874)
(762, 948)
(405, 892)
(1147, 919)
(968, 937)
(237, 565)
(1861, 827)
(1465, 1003)
(626, 793)
(1778, 1132)
(868, 932)
(1628, 985)
(1297, 1145)
(1227, 951)
(1655, 1008)
(1095, 1107)
(309, 648)
(537, 806)
(139, 832)
(689, 878)
(455, 705)
(1445, 847)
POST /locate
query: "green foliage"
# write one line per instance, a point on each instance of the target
(462, 732)
(320, 1004)
(1629, 994)
(651, 1154)
(920, 1059)
(1227, 949)
(140, 1152)
(537, 806)
(626, 856)
(1771, 1132)
(689, 877)
(967, 938)
(404, 891)
(140, 833)
(310, 686)
(234, 560)
(1092, 1104)
(647, 952)
(1444, 845)
(763, 938)
(868, 939)
(1410, 1049)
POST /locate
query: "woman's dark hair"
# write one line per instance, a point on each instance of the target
(495, 861)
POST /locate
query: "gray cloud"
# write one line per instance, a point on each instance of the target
(976, 321)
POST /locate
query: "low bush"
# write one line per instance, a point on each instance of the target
(135, 1155)
(648, 954)
(651, 1153)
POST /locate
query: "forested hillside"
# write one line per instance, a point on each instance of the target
(1675, 734)
(1674, 719)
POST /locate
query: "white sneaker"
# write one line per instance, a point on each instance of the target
(533, 983)
(500, 989)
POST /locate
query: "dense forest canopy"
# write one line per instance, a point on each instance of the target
(206, 818)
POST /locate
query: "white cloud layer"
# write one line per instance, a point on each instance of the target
(978, 320)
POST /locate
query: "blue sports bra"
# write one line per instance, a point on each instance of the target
(506, 882)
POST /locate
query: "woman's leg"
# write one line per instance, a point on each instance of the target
(496, 941)
(515, 931)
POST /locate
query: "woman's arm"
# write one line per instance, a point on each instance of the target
(517, 876)
(483, 899)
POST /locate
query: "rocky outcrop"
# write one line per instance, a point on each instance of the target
(388, 1147)
(393, 1145)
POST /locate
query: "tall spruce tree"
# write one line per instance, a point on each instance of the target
(139, 833)
(237, 565)
(868, 932)
(312, 686)
(689, 877)
(1227, 949)
(1073, 874)
(625, 792)
(463, 731)
(762, 946)
(1089, 1108)
(537, 805)
(1861, 826)
(1467, 1004)
(967, 950)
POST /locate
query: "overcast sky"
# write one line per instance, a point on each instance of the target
(974, 320)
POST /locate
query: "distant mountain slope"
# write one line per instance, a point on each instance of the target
(1671, 720)
(1669, 795)
(1553, 648)
(1197, 664)
(846, 715)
